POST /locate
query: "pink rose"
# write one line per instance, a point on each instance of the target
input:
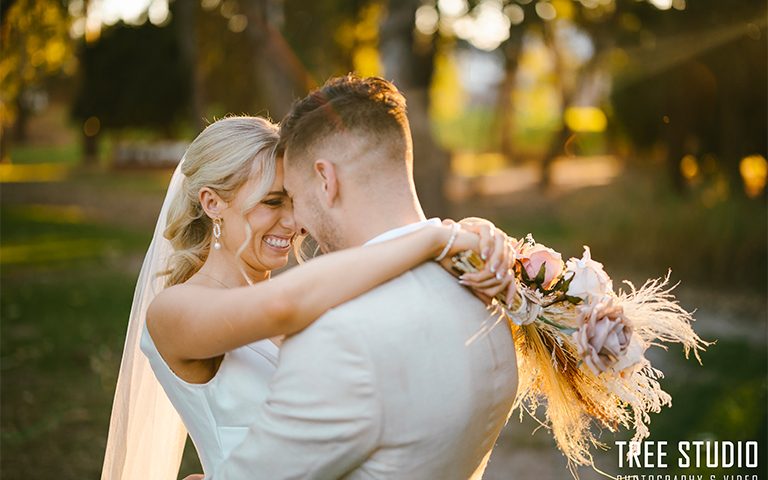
(518, 247)
(604, 336)
(534, 257)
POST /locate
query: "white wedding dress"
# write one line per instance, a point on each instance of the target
(217, 414)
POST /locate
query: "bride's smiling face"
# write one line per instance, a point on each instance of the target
(273, 229)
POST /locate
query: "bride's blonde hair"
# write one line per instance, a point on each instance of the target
(222, 157)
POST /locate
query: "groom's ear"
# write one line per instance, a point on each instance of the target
(330, 185)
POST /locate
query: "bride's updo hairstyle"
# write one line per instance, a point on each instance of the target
(223, 157)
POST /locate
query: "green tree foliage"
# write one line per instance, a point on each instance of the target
(329, 53)
(134, 77)
(35, 47)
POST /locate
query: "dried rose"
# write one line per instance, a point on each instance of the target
(521, 310)
(633, 356)
(588, 279)
(604, 336)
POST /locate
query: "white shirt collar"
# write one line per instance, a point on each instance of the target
(405, 229)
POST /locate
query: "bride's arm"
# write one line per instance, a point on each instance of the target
(193, 322)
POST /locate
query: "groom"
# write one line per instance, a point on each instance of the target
(413, 380)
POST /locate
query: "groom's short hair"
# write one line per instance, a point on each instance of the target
(369, 107)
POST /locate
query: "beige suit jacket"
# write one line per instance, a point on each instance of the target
(413, 380)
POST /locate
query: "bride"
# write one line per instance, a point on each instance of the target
(214, 316)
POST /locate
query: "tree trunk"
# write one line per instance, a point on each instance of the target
(186, 13)
(280, 75)
(90, 150)
(411, 67)
(557, 143)
(4, 145)
(569, 87)
(20, 126)
(505, 112)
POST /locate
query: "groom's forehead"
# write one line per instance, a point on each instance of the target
(289, 176)
(289, 159)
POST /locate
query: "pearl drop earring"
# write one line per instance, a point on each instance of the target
(216, 233)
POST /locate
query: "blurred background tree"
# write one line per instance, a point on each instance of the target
(36, 48)
(133, 77)
(706, 80)
(490, 83)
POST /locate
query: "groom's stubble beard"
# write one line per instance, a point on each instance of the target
(316, 220)
(325, 230)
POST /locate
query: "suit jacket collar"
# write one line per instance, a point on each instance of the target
(400, 231)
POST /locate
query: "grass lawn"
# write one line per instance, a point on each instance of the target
(67, 284)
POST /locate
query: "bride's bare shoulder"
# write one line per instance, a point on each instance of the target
(170, 304)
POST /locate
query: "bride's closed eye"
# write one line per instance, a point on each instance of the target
(274, 202)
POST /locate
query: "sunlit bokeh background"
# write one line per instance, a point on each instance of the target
(638, 127)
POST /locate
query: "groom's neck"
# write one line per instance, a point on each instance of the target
(371, 220)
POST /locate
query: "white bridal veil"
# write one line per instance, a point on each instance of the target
(146, 436)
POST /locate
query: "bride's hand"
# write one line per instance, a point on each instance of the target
(497, 275)
(493, 249)
(196, 476)
(489, 242)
